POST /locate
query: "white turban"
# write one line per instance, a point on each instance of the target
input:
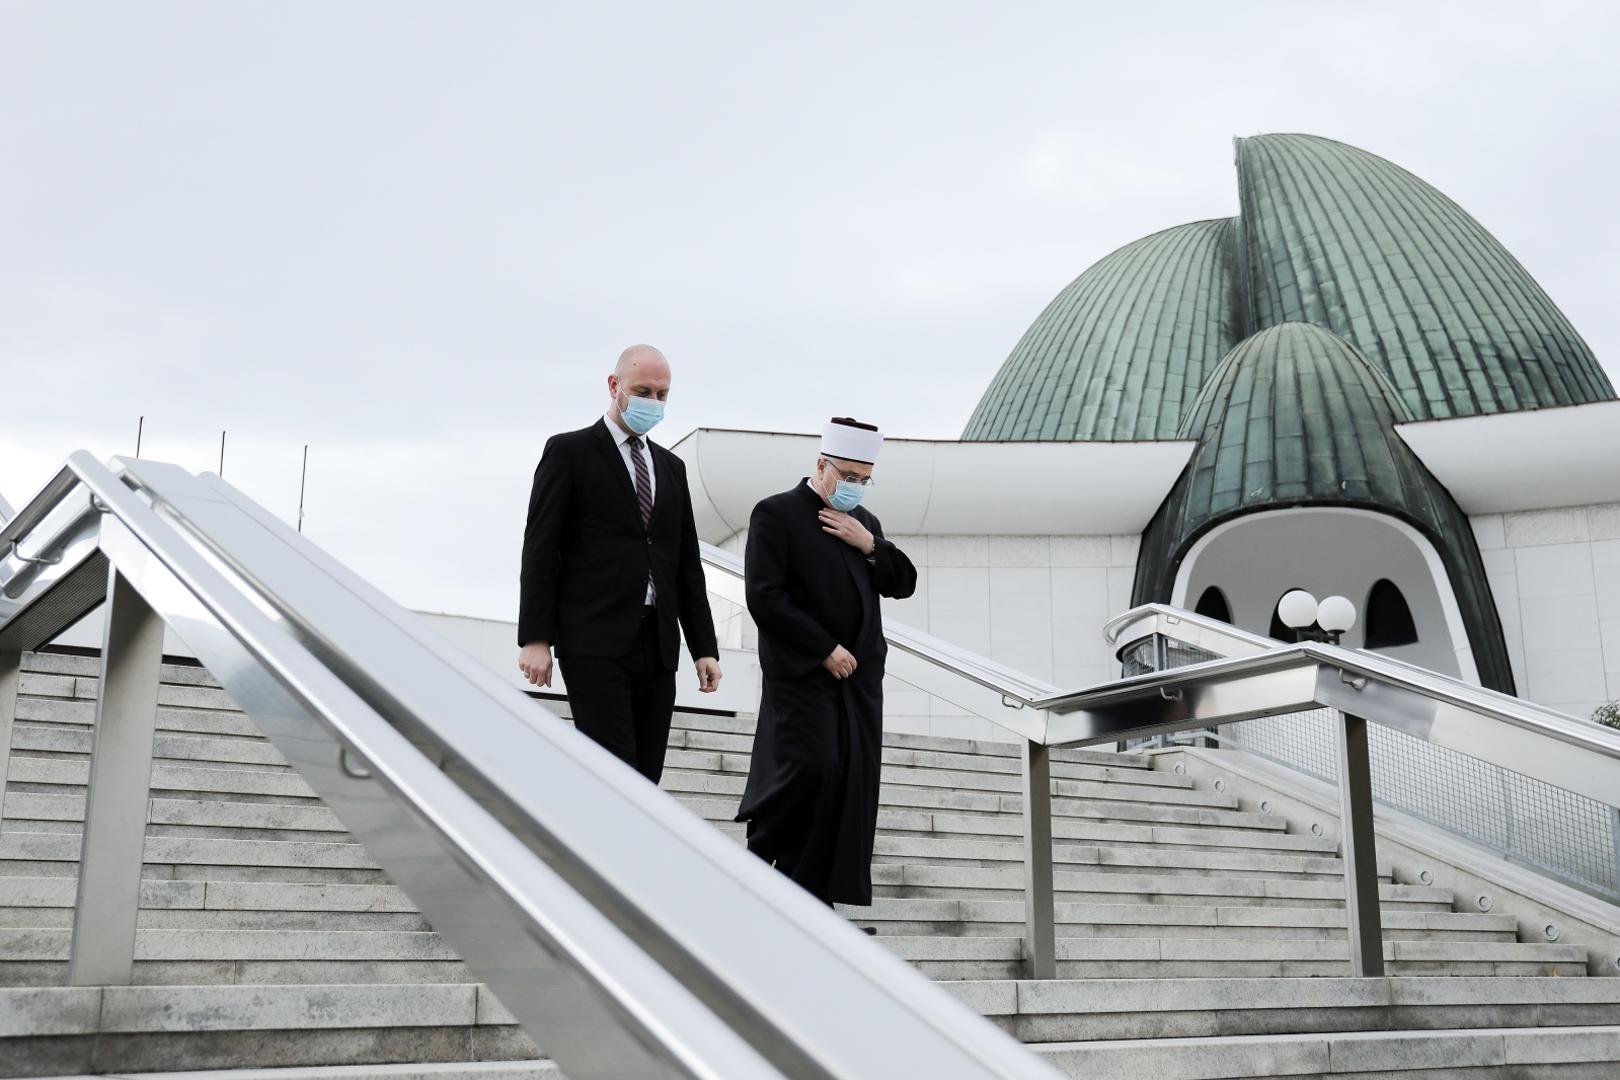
(851, 440)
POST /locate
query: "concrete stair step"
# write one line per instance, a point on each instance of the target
(167, 812)
(263, 896)
(256, 973)
(105, 1029)
(1116, 784)
(64, 847)
(984, 957)
(1175, 854)
(697, 790)
(455, 1070)
(991, 770)
(237, 749)
(1573, 1053)
(1074, 1010)
(1081, 799)
(183, 919)
(985, 828)
(49, 944)
(81, 713)
(59, 663)
(1009, 750)
(993, 917)
(986, 883)
(61, 775)
(55, 854)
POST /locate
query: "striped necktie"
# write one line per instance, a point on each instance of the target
(644, 496)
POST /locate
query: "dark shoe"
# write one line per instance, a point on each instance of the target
(869, 930)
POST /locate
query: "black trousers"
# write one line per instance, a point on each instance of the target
(624, 703)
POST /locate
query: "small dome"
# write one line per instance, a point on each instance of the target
(1295, 416)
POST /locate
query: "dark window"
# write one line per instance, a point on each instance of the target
(1213, 604)
(1389, 620)
(1279, 629)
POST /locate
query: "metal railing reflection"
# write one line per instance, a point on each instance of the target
(1569, 837)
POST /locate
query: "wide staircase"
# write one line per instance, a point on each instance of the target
(1198, 937)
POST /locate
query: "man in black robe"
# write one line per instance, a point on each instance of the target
(816, 565)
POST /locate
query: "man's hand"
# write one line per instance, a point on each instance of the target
(534, 660)
(848, 529)
(840, 664)
(708, 672)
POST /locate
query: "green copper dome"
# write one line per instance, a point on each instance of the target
(1329, 235)
(1295, 416)
(1121, 353)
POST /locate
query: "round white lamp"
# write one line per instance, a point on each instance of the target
(1336, 615)
(1297, 609)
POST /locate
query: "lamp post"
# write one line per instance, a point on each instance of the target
(1312, 621)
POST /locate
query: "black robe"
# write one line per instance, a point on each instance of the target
(812, 796)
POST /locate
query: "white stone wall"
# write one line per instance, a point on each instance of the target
(1556, 578)
(1034, 603)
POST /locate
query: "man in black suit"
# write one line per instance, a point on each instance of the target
(610, 563)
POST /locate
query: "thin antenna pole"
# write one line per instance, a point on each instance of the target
(302, 476)
(222, 455)
(140, 429)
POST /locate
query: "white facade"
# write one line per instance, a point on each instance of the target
(1555, 575)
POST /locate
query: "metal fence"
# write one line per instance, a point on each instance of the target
(1559, 833)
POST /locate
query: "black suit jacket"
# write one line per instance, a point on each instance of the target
(586, 555)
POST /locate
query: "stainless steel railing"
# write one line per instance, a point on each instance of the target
(628, 936)
(1567, 836)
(1252, 678)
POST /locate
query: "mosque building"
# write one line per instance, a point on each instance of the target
(1349, 387)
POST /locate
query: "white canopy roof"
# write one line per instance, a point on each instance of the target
(1533, 460)
(945, 487)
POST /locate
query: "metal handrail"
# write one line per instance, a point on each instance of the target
(630, 937)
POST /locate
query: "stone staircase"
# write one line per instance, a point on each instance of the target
(1198, 939)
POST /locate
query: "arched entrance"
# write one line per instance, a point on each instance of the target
(1254, 559)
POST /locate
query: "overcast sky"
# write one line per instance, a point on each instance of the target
(415, 236)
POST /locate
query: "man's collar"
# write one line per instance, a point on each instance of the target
(618, 434)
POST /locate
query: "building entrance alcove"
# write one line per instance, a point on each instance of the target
(1379, 562)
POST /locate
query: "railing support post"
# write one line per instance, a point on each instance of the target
(115, 811)
(1362, 916)
(1614, 836)
(10, 678)
(1040, 933)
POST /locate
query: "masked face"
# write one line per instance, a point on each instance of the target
(844, 495)
(640, 414)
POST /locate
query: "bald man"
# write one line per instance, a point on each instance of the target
(610, 566)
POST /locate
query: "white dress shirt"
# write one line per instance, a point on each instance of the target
(622, 438)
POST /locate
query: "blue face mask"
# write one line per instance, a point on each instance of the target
(846, 496)
(641, 414)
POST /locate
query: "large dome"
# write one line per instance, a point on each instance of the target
(1329, 235)
(1121, 353)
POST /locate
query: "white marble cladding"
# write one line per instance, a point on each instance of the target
(1556, 578)
(1034, 603)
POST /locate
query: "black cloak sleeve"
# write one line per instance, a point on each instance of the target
(893, 575)
(799, 641)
